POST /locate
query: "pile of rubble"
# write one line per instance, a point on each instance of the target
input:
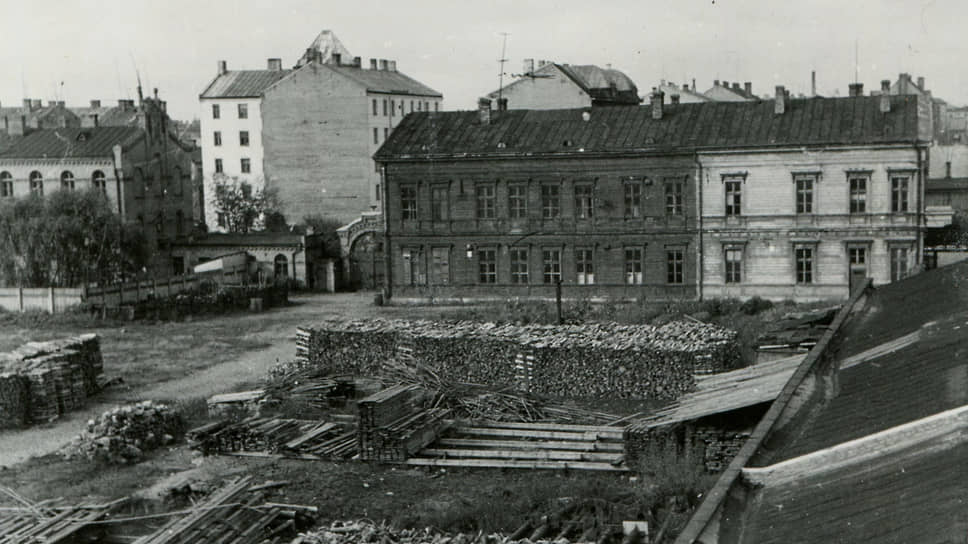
(123, 434)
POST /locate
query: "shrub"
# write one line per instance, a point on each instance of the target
(756, 305)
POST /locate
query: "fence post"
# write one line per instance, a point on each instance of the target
(154, 287)
(20, 298)
(50, 299)
(168, 294)
(137, 290)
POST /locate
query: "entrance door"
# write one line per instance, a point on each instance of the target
(856, 265)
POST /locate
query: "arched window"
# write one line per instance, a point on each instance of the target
(37, 183)
(67, 180)
(6, 184)
(280, 266)
(179, 222)
(99, 181)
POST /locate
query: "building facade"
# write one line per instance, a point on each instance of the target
(718, 199)
(551, 85)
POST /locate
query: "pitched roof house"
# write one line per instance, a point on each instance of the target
(553, 86)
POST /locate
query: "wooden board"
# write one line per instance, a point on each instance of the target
(557, 455)
(530, 444)
(526, 433)
(510, 463)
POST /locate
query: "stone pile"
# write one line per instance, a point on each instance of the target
(124, 434)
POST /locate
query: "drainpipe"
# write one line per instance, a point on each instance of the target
(919, 216)
(388, 264)
(699, 271)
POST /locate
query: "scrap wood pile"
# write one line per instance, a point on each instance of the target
(797, 332)
(591, 360)
(51, 522)
(123, 434)
(395, 424)
(296, 438)
(237, 513)
(306, 384)
(41, 380)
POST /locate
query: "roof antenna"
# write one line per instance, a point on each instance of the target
(502, 60)
(856, 61)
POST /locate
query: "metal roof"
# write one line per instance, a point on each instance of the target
(71, 143)
(243, 83)
(946, 184)
(683, 127)
(385, 81)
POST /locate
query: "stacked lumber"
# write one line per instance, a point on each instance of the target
(123, 434)
(233, 514)
(294, 438)
(393, 423)
(591, 360)
(51, 522)
(56, 377)
(719, 446)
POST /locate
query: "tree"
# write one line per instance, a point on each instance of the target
(65, 239)
(242, 208)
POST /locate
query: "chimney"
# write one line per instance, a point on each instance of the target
(748, 86)
(856, 89)
(779, 105)
(274, 65)
(674, 98)
(528, 66)
(685, 86)
(392, 65)
(372, 64)
(947, 169)
(541, 63)
(715, 83)
(484, 110)
(337, 57)
(885, 96)
(358, 62)
(502, 104)
(383, 65)
(694, 84)
(222, 67)
(657, 99)
(27, 104)
(921, 83)
(36, 104)
(95, 103)
(51, 103)
(61, 103)
(736, 85)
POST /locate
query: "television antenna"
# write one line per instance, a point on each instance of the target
(502, 60)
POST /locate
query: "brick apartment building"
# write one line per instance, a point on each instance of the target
(308, 132)
(780, 198)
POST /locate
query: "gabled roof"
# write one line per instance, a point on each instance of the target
(682, 128)
(385, 81)
(243, 83)
(72, 143)
(603, 85)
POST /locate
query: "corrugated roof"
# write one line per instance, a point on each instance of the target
(243, 83)
(811, 121)
(385, 81)
(71, 142)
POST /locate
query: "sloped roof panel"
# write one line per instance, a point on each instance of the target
(243, 83)
(72, 142)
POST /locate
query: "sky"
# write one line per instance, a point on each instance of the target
(82, 50)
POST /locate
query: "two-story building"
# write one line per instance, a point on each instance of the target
(780, 199)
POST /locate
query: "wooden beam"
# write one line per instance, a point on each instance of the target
(555, 455)
(526, 433)
(549, 426)
(510, 463)
(528, 444)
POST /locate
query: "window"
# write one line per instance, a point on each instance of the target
(633, 265)
(899, 194)
(804, 194)
(243, 137)
(673, 194)
(6, 184)
(734, 264)
(585, 266)
(419, 106)
(280, 266)
(376, 135)
(899, 263)
(485, 202)
(411, 106)
(804, 258)
(550, 203)
(440, 265)
(519, 265)
(179, 222)
(414, 272)
(218, 166)
(517, 201)
(216, 113)
(246, 166)
(408, 202)
(401, 108)
(379, 192)
(436, 106)
(486, 266)
(243, 111)
(858, 193)
(551, 259)
(734, 197)
(583, 201)
(375, 110)
(633, 199)
(67, 180)
(438, 203)
(385, 107)
(857, 255)
(386, 133)
(220, 219)
(426, 106)
(393, 107)
(218, 137)
(36, 183)
(674, 266)
(179, 181)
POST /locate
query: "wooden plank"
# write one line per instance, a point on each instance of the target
(510, 463)
(241, 396)
(529, 444)
(556, 455)
(549, 426)
(525, 433)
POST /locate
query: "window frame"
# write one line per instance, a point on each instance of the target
(900, 196)
(585, 265)
(584, 200)
(805, 275)
(550, 265)
(216, 111)
(243, 138)
(485, 199)
(632, 198)
(67, 180)
(804, 190)
(217, 138)
(219, 166)
(734, 269)
(550, 204)
(486, 265)
(733, 187)
(518, 265)
(904, 270)
(518, 203)
(243, 111)
(408, 202)
(376, 109)
(857, 184)
(36, 183)
(376, 135)
(6, 184)
(439, 206)
(634, 265)
(674, 197)
(675, 265)
(245, 165)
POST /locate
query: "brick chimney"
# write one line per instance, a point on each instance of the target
(383, 64)
(502, 104)
(337, 58)
(274, 65)
(748, 87)
(735, 85)
(51, 103)
(27, 104)
(358, 62)
(222, 67)
(484, 110)
(921, 83)
(715, 83)
(885, 96)
(392, 65)
(528, 66)
(372, 64)
(95, 103)
(656, 98)
(856, 89)
(36, 104)
(779, 104)
(674, 98)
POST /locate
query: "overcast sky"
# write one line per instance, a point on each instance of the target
(80, 50)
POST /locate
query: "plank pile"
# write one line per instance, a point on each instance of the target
(52, 522)
(233, 514)
(294, 438)
(591, 360)
(394, 424)
(42, 380)
(123, 434)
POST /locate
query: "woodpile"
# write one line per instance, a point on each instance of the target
(41, 380)
(123, 434)
(394, 424)
(716, 446)
(294, 438)
(591, 360)
(51, 522)
(719, 446)
(234, 514)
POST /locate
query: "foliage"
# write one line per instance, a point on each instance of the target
(326, 226)
(65, 238)
(955, 234)
(244, 209)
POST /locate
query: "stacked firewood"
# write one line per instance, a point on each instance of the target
(592, 360)
(279, 436)
(42, 380)
(123, 434)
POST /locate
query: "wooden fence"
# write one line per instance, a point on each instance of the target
(116, 295)
(48, 299)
